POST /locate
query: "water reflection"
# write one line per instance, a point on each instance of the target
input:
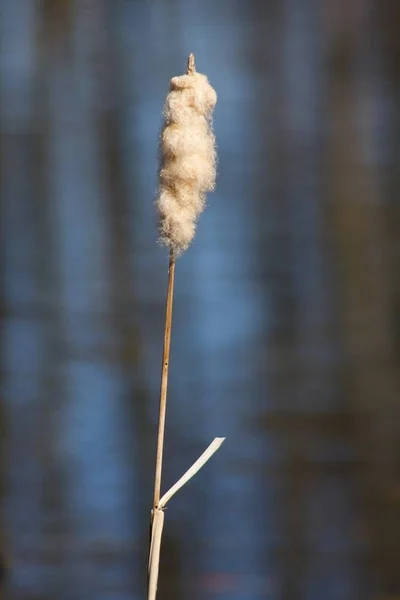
(285, 336)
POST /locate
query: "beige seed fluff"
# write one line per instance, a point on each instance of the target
(187, 157)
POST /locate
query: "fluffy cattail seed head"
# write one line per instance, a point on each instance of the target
(187, 157)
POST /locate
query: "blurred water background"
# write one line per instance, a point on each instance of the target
(286, 334)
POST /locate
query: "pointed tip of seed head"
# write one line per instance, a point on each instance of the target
(191, 65)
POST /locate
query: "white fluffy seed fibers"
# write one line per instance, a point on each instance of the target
(187, 158)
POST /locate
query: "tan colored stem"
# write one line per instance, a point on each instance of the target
(164, 380)
(191, 65)
(154, 553)
(191, 68)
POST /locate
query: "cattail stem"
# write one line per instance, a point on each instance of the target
(164, 380)
(191, 65)
(191, 68)
(187, 172)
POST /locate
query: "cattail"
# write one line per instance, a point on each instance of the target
(187, 172)
(187, 158)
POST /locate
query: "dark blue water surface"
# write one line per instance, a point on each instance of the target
(284, 335)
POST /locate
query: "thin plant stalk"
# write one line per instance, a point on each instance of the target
(166, 352)
(164, 380)
(187, 172)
